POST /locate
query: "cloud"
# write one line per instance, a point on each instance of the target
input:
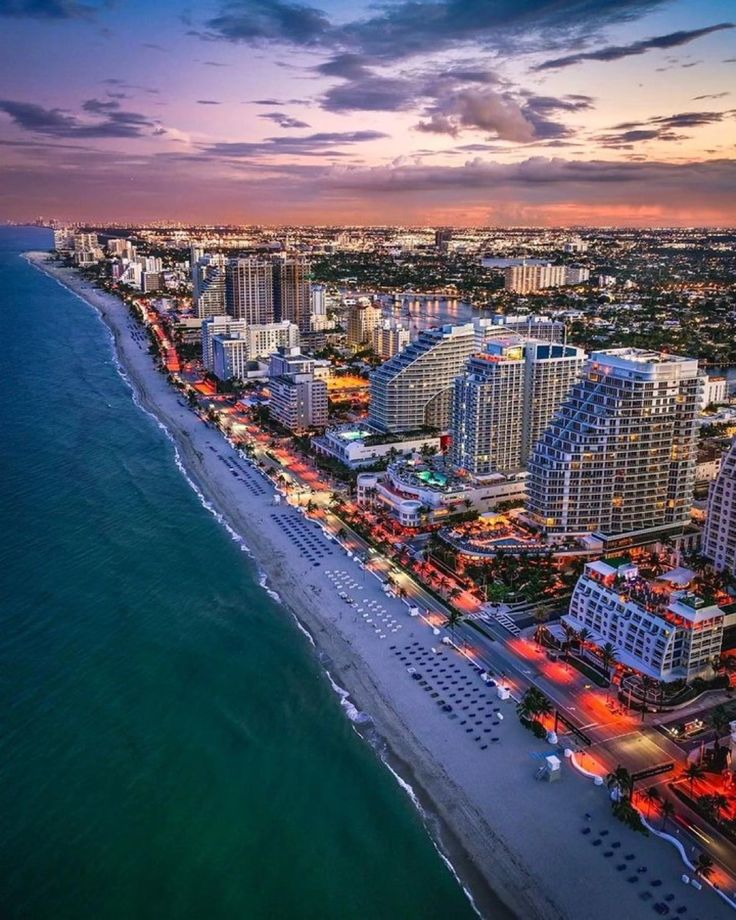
(208, 102)
(483, 110)
(283, 120)
(658, 127)
(320, 144)
(616, 52)
(123, 84)
(372, 93)
(404, 28)
(58, 123)
(258, 21)
(711, 96)
(539, 173)
(46, 9)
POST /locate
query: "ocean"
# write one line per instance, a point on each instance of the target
(171, 747)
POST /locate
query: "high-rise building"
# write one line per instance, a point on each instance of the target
(529, 278)
(530, 325)
(120, 246)
(414, 388)
(442, 239)
(657, 628)
(298, 395)
(266, 338)
(390, 338)
(363, 318)
(719, 536)
(249, 292)
(208, 285)
(504, 400)
(291, 292)
(218, 325)
(259, 340)
(64, 239)
(318, 320)
(230, 356)
(619, 457)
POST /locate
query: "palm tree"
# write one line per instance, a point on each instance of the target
(646, 685)
(454, 618)
(569, 637)
(720, 719)
(703, 865)
(668, 810)
(651, 795)
(621, 779)
(693, 771)
(720, 804)
(533, 705)
(310, 506)
(583, 636)
(541, 615)
(609, 657)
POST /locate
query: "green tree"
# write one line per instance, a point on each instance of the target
(533, 705)
(609, 657)
(454, 619)
(541, 617)
(693, 771)
(652, 796)
(668, 811)
(620, 779)
(704, 865)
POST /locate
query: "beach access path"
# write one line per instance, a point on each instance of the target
(544, 850)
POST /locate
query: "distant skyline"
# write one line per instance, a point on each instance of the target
(464, 112)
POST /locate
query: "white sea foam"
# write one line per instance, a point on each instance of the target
(304, 630)
(263, 582)
(409, 790)
(351, 711)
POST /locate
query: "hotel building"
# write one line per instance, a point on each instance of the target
(619, 457)
(389, 338)
(362, 320)
(249, 290)
(505, 399)
(230, 356)
(528, 279)
(218, 325)
(658, 628)
(292, 298)
(208, 285)
(529, 325)
(298, 395)
(413, 389)
(719, 536)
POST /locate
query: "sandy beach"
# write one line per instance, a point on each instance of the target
(520, 847)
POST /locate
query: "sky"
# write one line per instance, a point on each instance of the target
(460, 112)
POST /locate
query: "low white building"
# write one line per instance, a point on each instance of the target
(658, 628)
(358, 445)
(414, 491)
(715, 391)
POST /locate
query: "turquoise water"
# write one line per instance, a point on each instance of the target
(170, 747)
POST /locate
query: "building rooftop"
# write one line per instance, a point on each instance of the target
(667, 596)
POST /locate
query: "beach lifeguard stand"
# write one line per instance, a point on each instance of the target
(550, 770)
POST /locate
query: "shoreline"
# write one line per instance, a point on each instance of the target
(491, 846)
